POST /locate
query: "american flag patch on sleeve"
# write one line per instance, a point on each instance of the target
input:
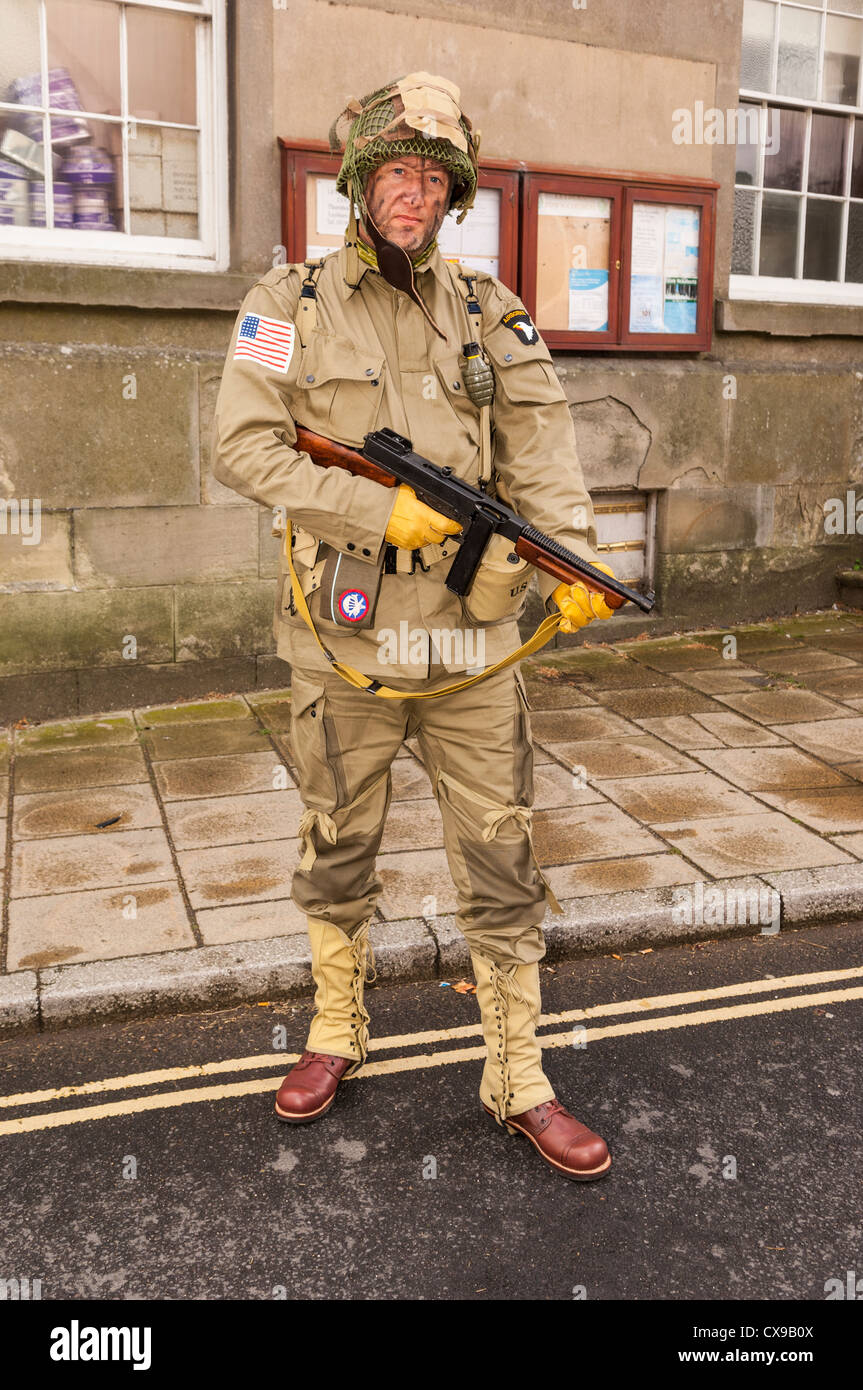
(268, 341)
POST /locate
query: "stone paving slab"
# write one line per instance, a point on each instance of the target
(182, 779)
(835, 740)
(771, 769)
(715, 682)
(841, 686)
(588, 832)
(681, 731)
(553, 726)
(66, 863)
(797, 661)
(86, 767)
(646, 702)
(782, 706)
(723, 845)
(96, 925)
(829, 810)
(662, 768)
(94, 811)
(154, 716)
(109, 730)
(239, 873)
(628, 757)
(250, 921)
(680, 796)
(233, 820)
(736, 732)
(601, 876)
(205, 740)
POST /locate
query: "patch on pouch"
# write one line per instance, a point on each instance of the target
(353, 605)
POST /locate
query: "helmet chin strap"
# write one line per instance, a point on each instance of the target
(396, 267)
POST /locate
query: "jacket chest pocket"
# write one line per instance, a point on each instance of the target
(338, 388)
(464, 419)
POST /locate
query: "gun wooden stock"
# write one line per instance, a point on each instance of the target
(329, 453)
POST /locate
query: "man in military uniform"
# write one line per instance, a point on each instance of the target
(379, 334)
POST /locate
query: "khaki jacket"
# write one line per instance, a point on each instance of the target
(372, 360)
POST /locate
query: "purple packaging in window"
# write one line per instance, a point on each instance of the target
(64, 204)
(62, 93)
(92, 208)
(14, 209)
(87, 164)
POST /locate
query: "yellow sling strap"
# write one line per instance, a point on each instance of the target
(546, 630)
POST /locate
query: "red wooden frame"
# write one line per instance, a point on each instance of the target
(623, 190)
(301, 158)
(700, 340)
(533, 185)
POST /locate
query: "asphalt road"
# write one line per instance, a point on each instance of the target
(735, 1141)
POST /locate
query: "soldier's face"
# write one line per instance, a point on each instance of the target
(408, 199)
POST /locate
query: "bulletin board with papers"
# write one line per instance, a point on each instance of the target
(612, 261)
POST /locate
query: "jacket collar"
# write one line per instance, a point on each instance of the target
(433, 265)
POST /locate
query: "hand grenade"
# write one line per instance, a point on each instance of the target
(477, 375)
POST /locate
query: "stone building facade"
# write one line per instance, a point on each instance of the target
(151, 581)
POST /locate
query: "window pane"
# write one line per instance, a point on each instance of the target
(827, 154)
(783, 160)
(92, 173)
(799, 32)
(161, 65)
(849, 6)
(779, 218)
(163, 182)
(842, 49)
(19, 64)
(572, 262)
(748, 118)
(857, 164)
(743, 244)
(84, 55)
(854, 259)
(756, 56)
(821, 247)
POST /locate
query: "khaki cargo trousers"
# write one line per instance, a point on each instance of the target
(476, 747)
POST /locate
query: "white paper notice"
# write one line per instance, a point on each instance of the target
(681, 243)
(477, 241)
(648, 238)
(333, 209)
(566, 205)
(646, 304)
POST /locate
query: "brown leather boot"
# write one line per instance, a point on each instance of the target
(309, 1088)
(566, 1144)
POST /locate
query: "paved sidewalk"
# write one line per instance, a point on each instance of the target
(149, 852)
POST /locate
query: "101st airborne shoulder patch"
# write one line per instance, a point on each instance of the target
(519, 321)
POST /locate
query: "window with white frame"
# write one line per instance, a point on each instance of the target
(129, 97)
(798, 200)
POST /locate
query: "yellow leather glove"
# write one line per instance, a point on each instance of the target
(413, 524)
(581, 605)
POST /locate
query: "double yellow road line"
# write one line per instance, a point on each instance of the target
(275, 1064)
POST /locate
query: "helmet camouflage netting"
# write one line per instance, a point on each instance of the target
(416, 115)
